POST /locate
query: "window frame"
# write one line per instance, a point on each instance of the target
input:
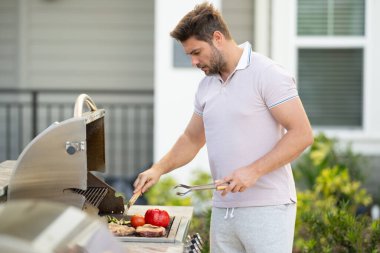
(337, 42)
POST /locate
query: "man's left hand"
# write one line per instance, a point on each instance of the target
(239, 180)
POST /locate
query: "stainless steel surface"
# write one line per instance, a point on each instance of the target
(72, 147)
(199, 188)
(79, 103)
(6, 169)
(57, 164)
(95, 143)
(44, 168)
(42, 226)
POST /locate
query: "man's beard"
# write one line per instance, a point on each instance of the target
(217, 62)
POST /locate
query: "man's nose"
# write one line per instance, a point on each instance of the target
(194, 61)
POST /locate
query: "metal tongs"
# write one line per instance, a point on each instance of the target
(220, 187)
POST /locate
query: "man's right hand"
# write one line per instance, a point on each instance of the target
(147, 179)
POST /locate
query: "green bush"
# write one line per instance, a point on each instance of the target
(325, 153)
(327, 211)
(164, 194)
(327, 220)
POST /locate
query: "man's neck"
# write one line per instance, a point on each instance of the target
(232, 55)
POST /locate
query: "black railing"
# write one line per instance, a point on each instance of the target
(128, 123)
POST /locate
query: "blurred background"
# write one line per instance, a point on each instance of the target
(121, 54)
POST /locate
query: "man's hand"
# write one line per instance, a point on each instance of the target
(239, 180)
(147, 179)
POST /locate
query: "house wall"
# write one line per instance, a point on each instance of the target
(80, 45)
(238, 14)
(77, 44)
(8, 43)
(174, 87)
(366, 140)
(283, 44)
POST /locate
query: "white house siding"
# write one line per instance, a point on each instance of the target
(8, 43)
(240, 19)
(367, 139)
(88, 44)
(174, 88)
(79, 44)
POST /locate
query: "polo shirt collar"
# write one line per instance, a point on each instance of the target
(245, 58)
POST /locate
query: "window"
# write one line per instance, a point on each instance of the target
(330, 17)
(180, 59)
(330, 47)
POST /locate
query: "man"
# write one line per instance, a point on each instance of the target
(248, 112)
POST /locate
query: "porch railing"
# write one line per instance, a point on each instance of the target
(128, 123)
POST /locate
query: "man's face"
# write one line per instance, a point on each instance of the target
(204, 56)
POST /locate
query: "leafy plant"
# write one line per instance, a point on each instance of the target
(326, 217)
(325, 153)
(163, 194)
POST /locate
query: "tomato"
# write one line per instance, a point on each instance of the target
(157, 217)
(137, 220)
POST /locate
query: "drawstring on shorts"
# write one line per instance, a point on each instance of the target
(231, 213)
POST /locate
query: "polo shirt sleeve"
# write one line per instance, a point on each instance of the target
(278, 86)
(198, 108)
(198, 104)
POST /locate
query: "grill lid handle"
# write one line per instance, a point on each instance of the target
(82, 98)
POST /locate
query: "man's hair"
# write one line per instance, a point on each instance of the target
(201, 23)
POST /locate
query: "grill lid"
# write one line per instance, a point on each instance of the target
(61, 158)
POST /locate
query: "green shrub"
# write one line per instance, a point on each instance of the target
(325, 153)
(327, 220)
(164, 194)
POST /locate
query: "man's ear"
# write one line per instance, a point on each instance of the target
(217, 38)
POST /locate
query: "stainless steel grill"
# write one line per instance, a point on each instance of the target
(58, 164)
(93, 195)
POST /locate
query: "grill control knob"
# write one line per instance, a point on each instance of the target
(71, 150)
(72, 147)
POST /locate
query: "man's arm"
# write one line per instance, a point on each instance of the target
(183, 151)
(291, 115)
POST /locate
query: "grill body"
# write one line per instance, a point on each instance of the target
(58, 164)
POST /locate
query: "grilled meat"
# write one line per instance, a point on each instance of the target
(120, 230)
(149, 230)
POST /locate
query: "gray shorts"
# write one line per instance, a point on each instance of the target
(263, 229)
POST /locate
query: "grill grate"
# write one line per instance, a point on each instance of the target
(93, 195)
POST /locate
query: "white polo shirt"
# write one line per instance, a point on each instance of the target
(240, 129)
